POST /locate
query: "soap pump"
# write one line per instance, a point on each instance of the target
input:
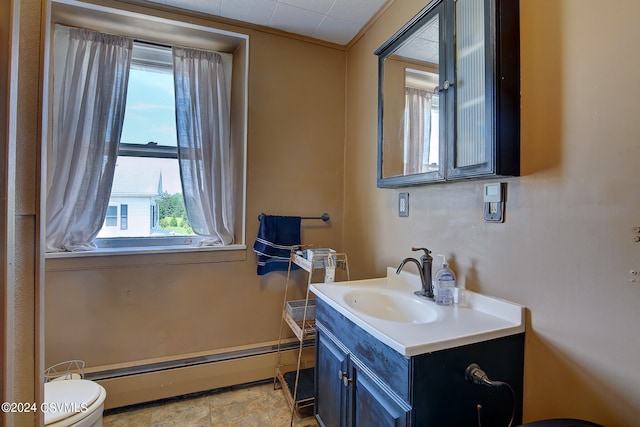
(445, 284)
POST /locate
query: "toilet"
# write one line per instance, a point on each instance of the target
(73, 402)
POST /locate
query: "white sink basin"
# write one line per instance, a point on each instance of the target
(390, 305)
(387, 309)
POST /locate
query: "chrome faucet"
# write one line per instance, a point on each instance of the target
(424, 267)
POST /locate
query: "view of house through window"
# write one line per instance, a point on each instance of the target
(146, 196)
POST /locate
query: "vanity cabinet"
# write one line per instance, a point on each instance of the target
(351, 393)
(361, 381)
(449, 94)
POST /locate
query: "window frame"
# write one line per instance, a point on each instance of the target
(164, 28)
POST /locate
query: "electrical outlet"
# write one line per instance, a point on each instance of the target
(494, 195)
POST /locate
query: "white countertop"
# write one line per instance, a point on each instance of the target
(478, 318)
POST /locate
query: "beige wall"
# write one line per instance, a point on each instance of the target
(566, 248)
(125, 310)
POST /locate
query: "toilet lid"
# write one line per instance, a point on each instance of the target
(68, 397)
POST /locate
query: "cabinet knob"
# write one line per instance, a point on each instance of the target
(446, 85)
(344, 377)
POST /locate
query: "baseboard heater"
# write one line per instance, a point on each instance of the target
(189, 361)
(154, 381)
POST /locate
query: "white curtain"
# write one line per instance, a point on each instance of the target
(90, 88)
(417, 130)
(202, 122)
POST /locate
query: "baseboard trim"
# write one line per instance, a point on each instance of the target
(147, 383)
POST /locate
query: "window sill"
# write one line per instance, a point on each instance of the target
(141, 250)
(143, 256)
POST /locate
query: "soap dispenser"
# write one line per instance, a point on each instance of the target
(445, 284)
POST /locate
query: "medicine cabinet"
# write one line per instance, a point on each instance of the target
(449, 94)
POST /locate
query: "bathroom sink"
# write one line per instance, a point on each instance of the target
(387, 308)
(390, 305)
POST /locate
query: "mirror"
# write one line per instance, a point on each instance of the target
(410, 150)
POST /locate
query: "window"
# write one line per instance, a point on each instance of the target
(154, 216)
(112, 217)
(147, 176)
(151, 214)
(124, 213)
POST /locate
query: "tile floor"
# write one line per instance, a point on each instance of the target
(244, 406)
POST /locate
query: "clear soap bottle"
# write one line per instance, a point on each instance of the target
(445, 284)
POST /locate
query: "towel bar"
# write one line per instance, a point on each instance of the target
(325, 217)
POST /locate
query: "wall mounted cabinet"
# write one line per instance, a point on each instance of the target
(449, 94)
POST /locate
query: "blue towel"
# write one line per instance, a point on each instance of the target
(276, 236)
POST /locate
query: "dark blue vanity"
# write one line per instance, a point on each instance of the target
(360, 381)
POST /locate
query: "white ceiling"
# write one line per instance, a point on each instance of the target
(424, 45)
(336, 21)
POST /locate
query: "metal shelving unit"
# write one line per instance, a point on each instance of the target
(299, 316)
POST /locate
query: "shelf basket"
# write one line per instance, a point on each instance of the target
(296, 309)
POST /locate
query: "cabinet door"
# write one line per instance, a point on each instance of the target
(372, 406)
(486, 132)
(331, 392)
(470, 152)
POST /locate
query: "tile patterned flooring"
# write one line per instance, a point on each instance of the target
(243, 406)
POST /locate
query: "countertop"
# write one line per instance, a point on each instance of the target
(476, 318)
